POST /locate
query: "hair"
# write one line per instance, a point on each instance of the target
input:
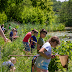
(2, 25)
(43, 31)
(12, 59)
(9, 24)
(35, 31)
(13, 29)
(54, 39)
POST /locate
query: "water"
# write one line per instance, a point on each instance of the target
(63, 35)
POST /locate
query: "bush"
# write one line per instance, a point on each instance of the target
(3, 18)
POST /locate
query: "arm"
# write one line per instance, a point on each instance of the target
(12, 69)
(31, 40)
(38, 47)
(41, 52)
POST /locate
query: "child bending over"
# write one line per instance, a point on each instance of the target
(9, 65)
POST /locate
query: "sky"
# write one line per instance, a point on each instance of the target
(62, 0)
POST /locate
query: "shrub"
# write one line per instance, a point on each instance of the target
(3, 18)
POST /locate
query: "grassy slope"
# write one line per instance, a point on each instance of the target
(16, 48)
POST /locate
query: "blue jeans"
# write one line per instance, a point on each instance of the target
(26, 46)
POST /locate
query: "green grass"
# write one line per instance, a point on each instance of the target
(16, 48)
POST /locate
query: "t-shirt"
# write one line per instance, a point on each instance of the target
(3, 28)
(34, 39)
(40, 41)
(40, 59)
(28, 35)
(9, 27)
(11, 34)
(8, 63)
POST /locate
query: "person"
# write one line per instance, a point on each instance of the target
(33, 40)
(2, 34)
(45, 54)
(26, 43)
(9, 26)
(40, 42)
(9, 65)
(13, 34)
(2, 26)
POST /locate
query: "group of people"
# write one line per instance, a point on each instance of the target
(41, 61)
(13, 33)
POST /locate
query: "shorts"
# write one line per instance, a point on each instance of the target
(41, 64)
(26, 46)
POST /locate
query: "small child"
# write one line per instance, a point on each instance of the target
(9, 65)
(45, 53)
(33, 40)
(9, 26)
(26, 43)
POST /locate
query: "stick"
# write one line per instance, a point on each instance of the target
(24, 55)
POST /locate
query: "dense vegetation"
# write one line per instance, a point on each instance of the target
(51, 15)
(24, 63)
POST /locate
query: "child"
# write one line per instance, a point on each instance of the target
(43, 60)
(40, 42)
(9, 65)
(14, 33)
(2, 34)
(11, 34)
(26, 43)
(33, 40)
(2, 26)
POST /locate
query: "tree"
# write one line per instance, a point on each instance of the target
(66, 13)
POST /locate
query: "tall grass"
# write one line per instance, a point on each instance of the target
(16, 47)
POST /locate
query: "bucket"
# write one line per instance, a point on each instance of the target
(64, 60)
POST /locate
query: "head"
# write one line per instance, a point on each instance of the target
(2, 25)
(43, 33)
(54, 41)
(35, 33)
(14, 30)
(13, 60)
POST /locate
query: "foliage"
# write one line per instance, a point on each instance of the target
(56, 5)
(66, 13)
(16, 48)
(3, 17)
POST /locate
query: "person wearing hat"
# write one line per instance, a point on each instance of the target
(9, 65)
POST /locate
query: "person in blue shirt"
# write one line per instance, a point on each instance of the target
(11, 34)
(33, 40)
(9, 65)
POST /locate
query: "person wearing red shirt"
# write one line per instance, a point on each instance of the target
(26, 43)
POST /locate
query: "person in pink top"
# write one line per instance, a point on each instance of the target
(26, 43)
